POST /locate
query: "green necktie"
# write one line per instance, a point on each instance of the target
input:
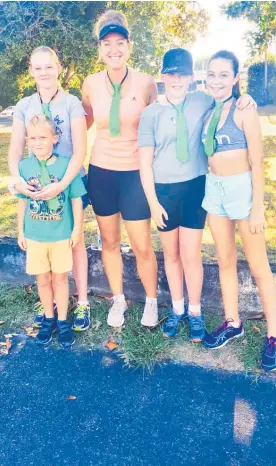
(114, 116)
(210, 144)
(210, 141)
(53, 204)
(46, 110)
(182, 146)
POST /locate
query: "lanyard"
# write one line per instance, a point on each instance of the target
(123, 80)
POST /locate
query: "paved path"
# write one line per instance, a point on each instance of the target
(179, 415)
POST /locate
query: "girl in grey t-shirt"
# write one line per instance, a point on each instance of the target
(69, 117)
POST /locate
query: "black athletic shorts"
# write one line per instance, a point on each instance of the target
(112, 191)
(182, 202)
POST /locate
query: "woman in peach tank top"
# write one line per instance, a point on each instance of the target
(114, 99)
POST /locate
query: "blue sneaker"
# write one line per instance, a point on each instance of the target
(222, 335)
(65, 334)
(44, 336)
(81, 320)
(197, 328)
(39, 315)
(170, 326)
(269, 354)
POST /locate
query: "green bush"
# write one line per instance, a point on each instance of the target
(256, 82)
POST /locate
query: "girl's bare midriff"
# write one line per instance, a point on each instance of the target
(230, 162)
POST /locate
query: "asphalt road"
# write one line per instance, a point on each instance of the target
(179, 415)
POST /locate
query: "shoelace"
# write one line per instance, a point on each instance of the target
(222, 327)
(39, 309)
(172, 320)
(271, 344)
(196, 322)
(80, 310)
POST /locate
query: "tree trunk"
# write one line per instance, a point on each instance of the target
(69, 74)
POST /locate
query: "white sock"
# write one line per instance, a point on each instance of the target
(195, 309)
(83, 302)
(178, 306)
(119, 298)
(151, 301)
(235, 324)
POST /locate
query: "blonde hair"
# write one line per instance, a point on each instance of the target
(110, 17)
(41, 120)
(44, 49)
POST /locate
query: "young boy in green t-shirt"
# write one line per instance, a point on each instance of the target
(48, 230)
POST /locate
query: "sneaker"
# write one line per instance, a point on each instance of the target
(39, 315)
(222, 335)
(65, 334)
(116, 314)
(170, 326)
(197, 328)
(269, 354)
(45, 332)
(150, 315)
(81, 320)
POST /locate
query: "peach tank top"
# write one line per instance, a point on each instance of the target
(118, 153)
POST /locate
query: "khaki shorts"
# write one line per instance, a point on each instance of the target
(48, 257)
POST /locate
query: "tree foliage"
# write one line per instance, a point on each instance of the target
(67, 27)
(263, 14)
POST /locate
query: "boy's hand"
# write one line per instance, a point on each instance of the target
(75, 237)
(22, 243)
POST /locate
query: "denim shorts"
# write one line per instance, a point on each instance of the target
(229, 196)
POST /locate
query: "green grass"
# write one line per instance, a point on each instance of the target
(138, 347)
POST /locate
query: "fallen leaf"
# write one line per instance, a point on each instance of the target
(111, 344)
(2, 322)
(31, 332)
(244, 342)
(28, 289)
(256, 329)
(71, 397)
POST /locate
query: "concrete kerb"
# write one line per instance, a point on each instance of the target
(12, 270)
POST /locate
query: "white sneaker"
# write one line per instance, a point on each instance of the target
(116, 314)
(150, 315)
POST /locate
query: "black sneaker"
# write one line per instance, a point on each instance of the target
(65, 334)
(222, 335)
(45, 332)
(269, 354)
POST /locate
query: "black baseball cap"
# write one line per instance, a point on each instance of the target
(113, 28)
(177, 61)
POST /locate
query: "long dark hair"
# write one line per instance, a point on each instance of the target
(226, 55)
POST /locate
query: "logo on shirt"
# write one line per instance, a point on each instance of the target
(38, 209)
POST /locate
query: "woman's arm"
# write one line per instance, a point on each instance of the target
(15, 155)
(158, 213)
(152, 90)
(86, 101)
(252, 130)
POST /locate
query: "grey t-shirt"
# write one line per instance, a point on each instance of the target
(63, 110)
(157, 129)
